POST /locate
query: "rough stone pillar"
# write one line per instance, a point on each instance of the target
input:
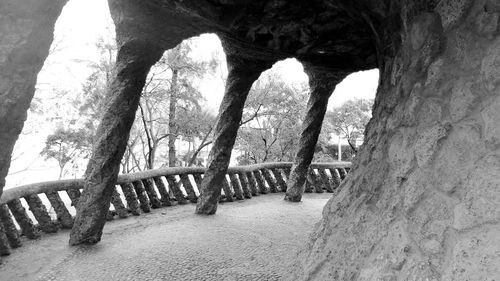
(321, 84)
(26, 32)
(422, 201)
(134, 60)
(242, 72)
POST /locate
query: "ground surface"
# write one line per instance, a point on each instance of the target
(247, 240)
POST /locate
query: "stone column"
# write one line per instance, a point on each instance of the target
(134, 60)
(242, 72)
(321, 83)
(26, 32)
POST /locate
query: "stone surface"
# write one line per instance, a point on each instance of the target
(421, 201)
(321, 85)
(134, 59)
(243, 242)
(242, 72)
(26, 32)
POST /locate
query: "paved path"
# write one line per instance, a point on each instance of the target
(248, 240)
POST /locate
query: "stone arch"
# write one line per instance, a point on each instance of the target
(422, 197)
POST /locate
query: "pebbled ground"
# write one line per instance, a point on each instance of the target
(247, 240)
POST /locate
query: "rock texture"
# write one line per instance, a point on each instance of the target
(321, 85)
(422, 199)
(133, 63)
(242, 72)
(26, 32)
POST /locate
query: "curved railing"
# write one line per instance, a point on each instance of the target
(143, 191)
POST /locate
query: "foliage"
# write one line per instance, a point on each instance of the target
(91, 102)
(350, 119)
(172, 84)
(330, 153)
(271, 120)
(66, 146)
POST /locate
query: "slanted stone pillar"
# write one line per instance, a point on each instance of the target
(242, 72)
(321, 84)
(134, 60)
(26, 32)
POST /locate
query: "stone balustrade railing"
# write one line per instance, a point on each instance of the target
(142, 191)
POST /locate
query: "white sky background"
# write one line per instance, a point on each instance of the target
(81, 24)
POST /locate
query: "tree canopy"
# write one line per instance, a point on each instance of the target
(350, 119)
(271, 120)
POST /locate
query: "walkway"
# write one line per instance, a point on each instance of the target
(247, 240)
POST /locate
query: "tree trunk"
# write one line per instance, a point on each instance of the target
(422, 199)
(353, 147)
(150, 155)
(132, 66)
(172, 125)
(321, 85)
(27, 32)
(242, 73)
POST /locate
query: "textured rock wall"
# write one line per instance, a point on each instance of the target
(26, 32)
(422, 201)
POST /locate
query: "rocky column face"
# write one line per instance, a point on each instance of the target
(242, 73)
(134, 60)
(321, 84)
(422, 201)
(26, 32)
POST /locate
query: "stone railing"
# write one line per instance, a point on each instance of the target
(140, 192)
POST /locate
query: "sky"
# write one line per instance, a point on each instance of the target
(77, 30)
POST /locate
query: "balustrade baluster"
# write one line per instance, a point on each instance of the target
(238, 192)
(279, 179)
(189, 188)
(63, 215)
(335, 178)
(4, 242)
(120, 209)
(151, 192)
(227, 190)
(260, 182)
(252, 183)
(41, 215)
(141, 195)
(131, 198)
(173, 184)
(198, 179)
(342, 173)
(317, 184)
(165, 197)
(326, 180)
(244, 185)
(9, 227)
(270, 180)
(28, 228)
